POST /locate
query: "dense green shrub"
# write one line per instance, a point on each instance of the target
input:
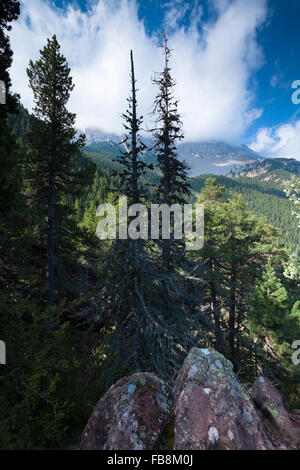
(51, 380)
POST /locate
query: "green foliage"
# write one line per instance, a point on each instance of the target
(52, 174)
(20, 124)
(51, 379)
(274, 326)
(11, 204)
(236, 249)
(10, 177)
(292, 190)
(9, 11)
(268, 304)
(144, 308)
(116, 310)
(173, 186)
(211, 191)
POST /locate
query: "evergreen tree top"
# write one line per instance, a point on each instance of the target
(51, 83)
(9, 11)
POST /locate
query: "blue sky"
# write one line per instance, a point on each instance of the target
(234, 62)
(279, 38)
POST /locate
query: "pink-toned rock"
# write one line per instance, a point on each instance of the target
(130, 416)
(295, 418)
(275, 418)
(212, 409)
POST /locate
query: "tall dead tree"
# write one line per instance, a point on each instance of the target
(141, 305)
(173, 187)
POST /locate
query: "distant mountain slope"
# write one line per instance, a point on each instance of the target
(260, 181)
(264, 168)
(264, 193)
(215, 157)
(202, 157)
(264, 197)
(110, 150)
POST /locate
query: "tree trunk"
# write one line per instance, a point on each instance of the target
(134, 128)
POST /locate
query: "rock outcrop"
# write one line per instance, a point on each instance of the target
(276, 420)
(210, 409)
(295, 418)
(130, 416)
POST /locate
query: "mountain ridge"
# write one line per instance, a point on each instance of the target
(201, 157)
(268, 165)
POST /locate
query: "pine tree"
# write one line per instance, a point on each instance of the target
(270, 317)
(53, 176)
(211, 254)
(9, 11)
(236, 248)
(211, 192)
(295, 314)
(271, 326)
(89, 220)
(268, 304)
(173, 187)
(142, 307)
(133, 166)
(128, 266)
(248, 244)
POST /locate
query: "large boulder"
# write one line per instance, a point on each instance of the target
(280, 428)
(212, 409)
(130, 416)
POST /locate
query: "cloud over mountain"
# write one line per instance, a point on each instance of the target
(213, 61)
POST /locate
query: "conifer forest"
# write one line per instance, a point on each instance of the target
(80, 309)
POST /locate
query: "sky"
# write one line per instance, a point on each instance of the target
(234, 62)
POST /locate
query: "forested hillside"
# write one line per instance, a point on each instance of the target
(261, 168)
(261, 184)
(264, 196)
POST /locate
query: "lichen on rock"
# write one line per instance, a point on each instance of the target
(130, 416)
(212, 409)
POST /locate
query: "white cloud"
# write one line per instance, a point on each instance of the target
(221, 5)
(282, 141)
(212, 68)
